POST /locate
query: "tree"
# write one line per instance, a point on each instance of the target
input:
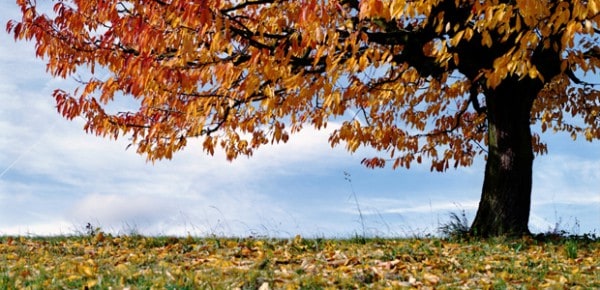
(420, 81)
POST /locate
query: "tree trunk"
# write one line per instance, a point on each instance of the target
(506, 196)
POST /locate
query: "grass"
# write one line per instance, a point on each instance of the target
(103, 261)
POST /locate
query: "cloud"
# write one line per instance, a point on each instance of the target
(52, 227)
(567, 178)
(115, 210)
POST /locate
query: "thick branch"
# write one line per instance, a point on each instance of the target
(248, 3)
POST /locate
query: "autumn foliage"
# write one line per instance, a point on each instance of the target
(243, 74)
(420, 81)
(136, 262)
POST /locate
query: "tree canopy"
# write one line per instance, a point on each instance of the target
(243, 74)
(419, 81)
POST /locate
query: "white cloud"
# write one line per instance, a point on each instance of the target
(52, 227)
(117, 208)
(567, 178)
(434, 207)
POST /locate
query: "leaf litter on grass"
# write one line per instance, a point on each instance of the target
(138, 262)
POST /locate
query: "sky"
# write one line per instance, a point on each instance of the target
(55, 178)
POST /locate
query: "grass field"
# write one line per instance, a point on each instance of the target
(102, 261)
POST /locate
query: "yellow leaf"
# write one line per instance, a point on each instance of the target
(533, 72)
(92, 283)
(468, 33)
(318, 54)
(431, 278)
(397, 8)
(457, 38)
(87, 271)
(589, 136)
(486, 39)
(518, 24)
(593, 6)
(121, 268)
(362, 63)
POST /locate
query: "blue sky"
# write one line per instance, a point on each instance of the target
(54, 178)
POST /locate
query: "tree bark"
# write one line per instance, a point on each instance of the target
(506, 195)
